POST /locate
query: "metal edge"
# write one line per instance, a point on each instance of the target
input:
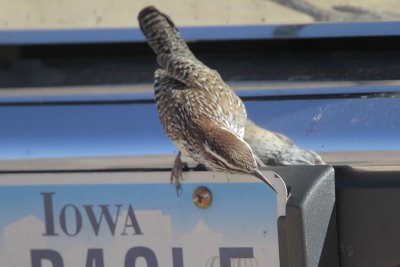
(144, 92)
(207, 33)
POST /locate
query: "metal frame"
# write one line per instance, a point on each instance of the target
(209, 33)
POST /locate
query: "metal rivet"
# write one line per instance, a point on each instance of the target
(202, 197)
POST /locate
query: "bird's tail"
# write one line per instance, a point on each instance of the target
(161, 33)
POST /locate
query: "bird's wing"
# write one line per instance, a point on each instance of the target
(175, 57)
(189, 72)
(201, 77)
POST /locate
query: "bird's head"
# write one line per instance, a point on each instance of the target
(226, 151)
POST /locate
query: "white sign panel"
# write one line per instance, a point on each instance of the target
(132, 219)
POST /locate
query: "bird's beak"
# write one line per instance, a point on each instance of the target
(260, 176)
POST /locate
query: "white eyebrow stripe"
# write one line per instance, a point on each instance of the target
(218, 157)
(244, 142)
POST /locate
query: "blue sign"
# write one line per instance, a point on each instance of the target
(135, 219)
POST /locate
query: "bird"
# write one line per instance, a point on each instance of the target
(198, 111)
(275, 149)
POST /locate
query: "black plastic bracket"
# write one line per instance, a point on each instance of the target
(307, 234)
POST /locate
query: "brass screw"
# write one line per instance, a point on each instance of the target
(202, 197)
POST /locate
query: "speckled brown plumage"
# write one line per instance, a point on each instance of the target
(203, 116)
(198, 111)
(276, 149)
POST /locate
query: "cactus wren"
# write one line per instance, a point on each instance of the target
(201, 115)
(274, 149)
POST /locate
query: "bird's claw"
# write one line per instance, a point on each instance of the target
(176, 173)
(176, 177)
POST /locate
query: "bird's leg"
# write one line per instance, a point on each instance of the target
(176, 173)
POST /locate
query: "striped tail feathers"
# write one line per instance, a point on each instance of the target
(161, 33)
